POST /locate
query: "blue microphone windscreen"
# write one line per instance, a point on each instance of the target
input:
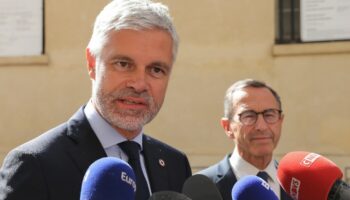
(252, 188)
(108, 178)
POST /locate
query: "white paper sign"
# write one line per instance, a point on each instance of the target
(325, 20)
(21, 27)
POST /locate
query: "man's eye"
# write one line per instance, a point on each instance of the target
(157, 72)
(122, 63)
(248, 115)
(270, 114)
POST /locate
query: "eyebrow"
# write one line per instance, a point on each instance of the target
(127, 58)
(121, 57)
(251, 110)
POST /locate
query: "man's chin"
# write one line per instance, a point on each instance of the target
(129, 126)
(266, 153)
(264, 150)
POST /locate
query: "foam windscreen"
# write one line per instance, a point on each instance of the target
(252, 188)
(305, 176)
(108, 178)
(200, 187)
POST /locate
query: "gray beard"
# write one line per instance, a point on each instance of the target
(130, 120)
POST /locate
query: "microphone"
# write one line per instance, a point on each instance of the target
(168, 195)
(200, 187)
(108, 178)
(305, 176)
(252, 188)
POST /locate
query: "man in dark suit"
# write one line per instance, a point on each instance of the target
(253, 120)
(129, 60)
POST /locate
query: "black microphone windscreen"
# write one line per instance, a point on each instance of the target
(168, 195)
(339, 191)
(200, 187)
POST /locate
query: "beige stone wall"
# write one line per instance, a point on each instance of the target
(221, 42)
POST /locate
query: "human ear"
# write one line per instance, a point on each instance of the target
(226, 124)
(91, 64)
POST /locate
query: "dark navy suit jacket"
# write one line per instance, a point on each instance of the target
(52, 166)
(224, 178)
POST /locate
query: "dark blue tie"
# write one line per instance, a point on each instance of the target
(132, 150)
(263, 175)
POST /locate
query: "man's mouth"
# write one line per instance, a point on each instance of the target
(262, 139)
(132, 101)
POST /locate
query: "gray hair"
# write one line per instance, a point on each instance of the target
(240, 85)
(131, 14)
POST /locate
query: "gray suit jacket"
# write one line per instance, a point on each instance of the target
(224, 178)
(52, 165)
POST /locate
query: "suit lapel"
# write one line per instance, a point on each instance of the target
(156, 165)
(226, 178)
(284, 196)
(86, 147)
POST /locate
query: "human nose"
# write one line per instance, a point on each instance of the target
(260, 123)
(138, 81)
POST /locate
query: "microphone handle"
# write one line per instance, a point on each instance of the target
(339, 191)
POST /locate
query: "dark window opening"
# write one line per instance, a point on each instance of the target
(322, 21)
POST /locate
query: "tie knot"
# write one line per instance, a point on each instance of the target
(131, 149)
(263, 175)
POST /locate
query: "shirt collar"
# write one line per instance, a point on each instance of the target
(105, 133)
(242, 168)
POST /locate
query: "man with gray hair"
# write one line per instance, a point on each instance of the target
(129, 61)
(253, 121)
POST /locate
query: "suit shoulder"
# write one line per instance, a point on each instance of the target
(216, 171)
(49, 140)
(210, 172)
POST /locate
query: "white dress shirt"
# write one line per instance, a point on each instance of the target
(110, 138)
(242, 168)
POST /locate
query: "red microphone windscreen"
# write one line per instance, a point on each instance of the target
(306, 176)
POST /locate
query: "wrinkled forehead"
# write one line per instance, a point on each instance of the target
(257, 99)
